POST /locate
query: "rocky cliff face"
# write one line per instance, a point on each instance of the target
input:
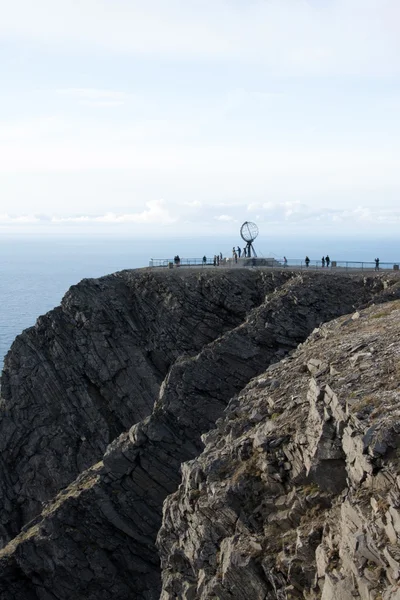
(297, 492)
(93, 367)
(187, 343)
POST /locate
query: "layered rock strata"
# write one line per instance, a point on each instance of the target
(297, 492)
(93, 367)
(96, 539)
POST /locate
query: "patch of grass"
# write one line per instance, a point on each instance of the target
(369, 402)
(383, 505)
(249, 468)
(311, 488)
(379, 315)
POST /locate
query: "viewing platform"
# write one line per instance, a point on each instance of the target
(274, 263)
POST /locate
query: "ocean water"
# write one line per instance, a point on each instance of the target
(36, 273)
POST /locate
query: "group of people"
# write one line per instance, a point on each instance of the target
(237, 252)
(325, 260)
(216, 260)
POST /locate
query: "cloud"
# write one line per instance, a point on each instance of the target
(30, 129)
(224, 218)
(6, 219)
(288, 216)
(286, 36)
(91, 93)
(295, 211)
(155, 213)
(94, 97)
(192, 204)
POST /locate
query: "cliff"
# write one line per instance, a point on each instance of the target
(297, 492)
(92, 367)
(149, 361)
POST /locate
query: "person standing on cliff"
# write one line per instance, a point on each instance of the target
(376, 264)
(204, 259)
(307, 261)
(323, 261)
(327, 260)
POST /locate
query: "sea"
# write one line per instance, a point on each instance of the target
(36, 272)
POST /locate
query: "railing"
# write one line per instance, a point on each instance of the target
(343, 265)
(274, 263)
(183, 262)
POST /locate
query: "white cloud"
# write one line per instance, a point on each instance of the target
(224, 218)
(91, 93)
(6, 219)
(94, 97)
(155, 213)
(24, 130)
(296, 36)
(157, 216)
(297, 212)
(193, 204)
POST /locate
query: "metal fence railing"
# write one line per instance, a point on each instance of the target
(183, 262)
(274, 263)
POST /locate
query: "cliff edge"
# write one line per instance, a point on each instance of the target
(110, 393)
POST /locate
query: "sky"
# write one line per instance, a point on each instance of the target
(189, 117)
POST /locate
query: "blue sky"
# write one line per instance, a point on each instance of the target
(165, 116)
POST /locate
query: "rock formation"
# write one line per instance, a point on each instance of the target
(297, 492)
(287, 450)
(93, 367)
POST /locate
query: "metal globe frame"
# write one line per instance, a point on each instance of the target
(248, 233)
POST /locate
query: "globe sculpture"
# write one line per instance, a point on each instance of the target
(249, 232)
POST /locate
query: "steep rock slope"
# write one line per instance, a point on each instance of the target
(97, 538)
(297, 492)
(92, 368)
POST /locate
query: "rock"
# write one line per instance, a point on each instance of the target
(246, 514)
(321, 505)
(93, 367)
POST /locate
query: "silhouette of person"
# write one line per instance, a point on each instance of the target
(239, 251)
(377, 264)
(284, 261)
(327, 260)
(323, 261)
(204, 259)
(307, 261)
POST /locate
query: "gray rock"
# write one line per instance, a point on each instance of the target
(200, 338)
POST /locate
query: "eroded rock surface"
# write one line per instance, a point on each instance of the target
(297, 493)
(93, 367)
(96, 538)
